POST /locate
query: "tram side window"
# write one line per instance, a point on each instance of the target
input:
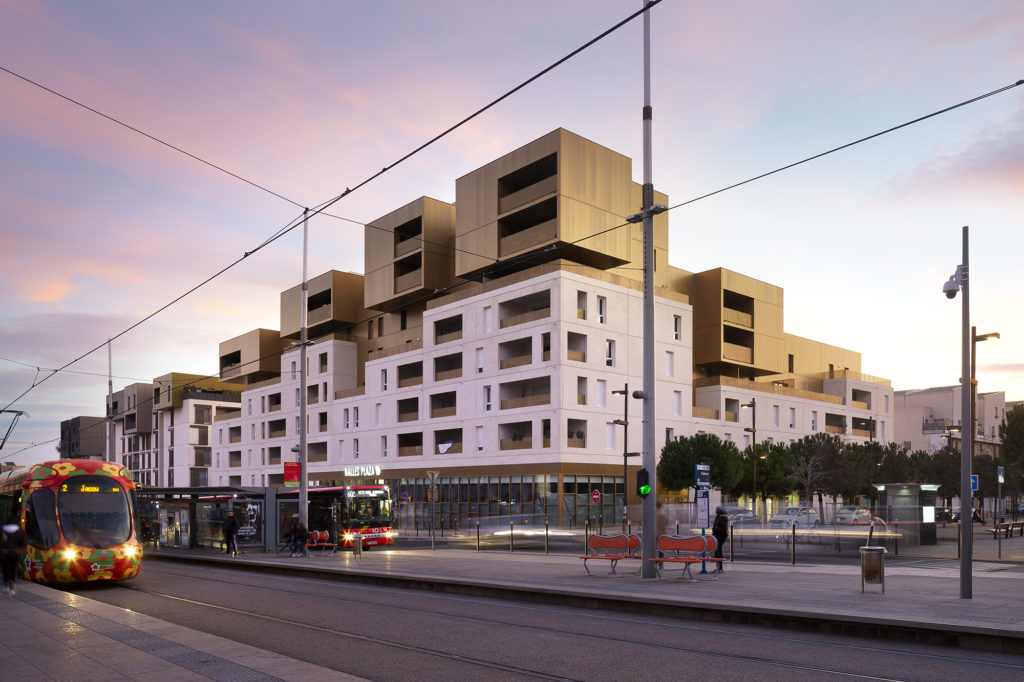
(41, 519)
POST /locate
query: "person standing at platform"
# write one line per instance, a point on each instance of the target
(720, 529)
(230, 529)
(12, 544)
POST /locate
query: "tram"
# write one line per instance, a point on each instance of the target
(77, 518)
(344, 512)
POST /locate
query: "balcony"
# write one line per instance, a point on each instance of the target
(350, 392)
(408, 410)
(859, 404)
(731, 351)
(935, 425)
(863, 433)
(834, 429)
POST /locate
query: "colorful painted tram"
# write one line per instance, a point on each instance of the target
(77, 517)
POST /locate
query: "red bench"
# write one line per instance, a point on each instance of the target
(611, 548)
(687, 551)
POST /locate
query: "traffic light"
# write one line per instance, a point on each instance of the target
(643, 483)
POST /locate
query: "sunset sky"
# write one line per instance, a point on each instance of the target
(101, 226)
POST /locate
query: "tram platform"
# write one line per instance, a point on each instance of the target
(921, 601)
(52, 634)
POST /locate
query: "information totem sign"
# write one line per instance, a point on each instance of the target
(702, 475)
(702, 479)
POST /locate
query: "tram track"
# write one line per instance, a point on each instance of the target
(549, 612)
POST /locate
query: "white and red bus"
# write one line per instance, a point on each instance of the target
(344, 512)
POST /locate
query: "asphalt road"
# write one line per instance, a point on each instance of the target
(384, 633)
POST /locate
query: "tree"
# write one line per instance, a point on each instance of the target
(944, 469)
(1011, 449)
(680, 456)
(811, 455)
(774, 472)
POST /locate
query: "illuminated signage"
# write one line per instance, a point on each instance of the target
(367, 470)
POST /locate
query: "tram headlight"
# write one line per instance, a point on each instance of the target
(69, 553)
(129, 551)
(388, 534)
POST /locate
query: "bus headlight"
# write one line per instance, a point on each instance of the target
(69, 553)
(349, 537)
(388, 534)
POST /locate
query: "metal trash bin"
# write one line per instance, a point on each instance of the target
(872, 567)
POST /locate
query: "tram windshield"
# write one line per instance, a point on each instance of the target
(94, 511)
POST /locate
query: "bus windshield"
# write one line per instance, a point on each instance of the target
(367, 508)
(94, 511)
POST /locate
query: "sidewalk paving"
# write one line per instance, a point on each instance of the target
(57, 635)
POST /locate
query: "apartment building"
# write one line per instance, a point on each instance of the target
(485, 344)
(83, 438)
(931, 418)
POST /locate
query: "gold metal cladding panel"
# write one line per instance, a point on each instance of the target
(595, 175)
(810, 358)
(258, 350)
(346, 299)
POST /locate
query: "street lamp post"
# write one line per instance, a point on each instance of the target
(752, 429)
(624, 423)
(975, 338)
(960, 281)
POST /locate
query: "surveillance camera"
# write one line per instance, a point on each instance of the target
(951, 287)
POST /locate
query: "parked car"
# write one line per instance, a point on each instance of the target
(853, 514)
(943, 514)
(803, 517)
(740, 515)
(976, 516)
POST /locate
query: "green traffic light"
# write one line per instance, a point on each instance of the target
(645, 490)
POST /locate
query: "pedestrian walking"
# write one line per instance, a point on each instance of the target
(12, 544)
(230, 529)
(720, 529)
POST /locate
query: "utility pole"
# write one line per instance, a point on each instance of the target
(110, 404)
(303, 407)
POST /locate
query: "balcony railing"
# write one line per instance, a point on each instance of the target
(410, 381)
(408, 246)
(455, 448)
(276, 433)
(731, 351)
(575, 442)
(517, 361)
(274, 408)
(408, 416)
(410, 450)
(446, 374)
(737, 317)
(526, 401)
(708, 413)
(227, 414)
(523, 318)
(834, 429)
(349, 392)
(408, 280)
(523, 443)
(442, 412)
(859, 404)
(535, 191)
(540, 233)
(450, 336)
(863, 433)
(235, 438)
(576, 355)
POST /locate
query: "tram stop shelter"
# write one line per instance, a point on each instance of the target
(194, 517)
(909, 509)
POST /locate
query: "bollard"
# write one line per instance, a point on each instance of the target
(896, 540)
(511, 535)
(703, 555)
(586, 536)
(545, 536)
(629, 528)
(478, 536)
(958, 540)
(677, 527)
(792, 548)
(732, 535)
